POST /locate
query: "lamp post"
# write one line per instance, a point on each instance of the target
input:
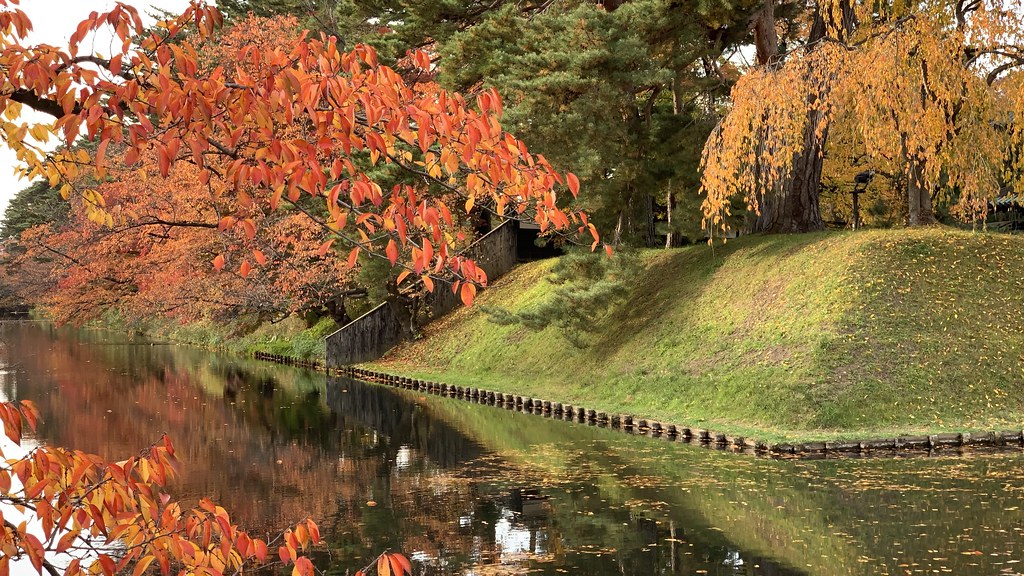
(860, 185)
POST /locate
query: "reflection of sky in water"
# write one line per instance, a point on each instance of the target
(512, 537)
(732, 558)
(404, 457)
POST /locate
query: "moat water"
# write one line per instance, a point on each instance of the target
(469, 489)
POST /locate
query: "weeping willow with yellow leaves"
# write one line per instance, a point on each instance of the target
(930, 87)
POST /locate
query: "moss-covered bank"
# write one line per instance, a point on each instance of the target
(810, 336)
(289, 338)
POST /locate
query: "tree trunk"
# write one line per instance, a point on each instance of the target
(766, 40)
(620, 224)
(672, 240)
(919, 199)
(649, 228)
(795, 208)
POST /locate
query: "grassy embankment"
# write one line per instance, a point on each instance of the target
(783, 337)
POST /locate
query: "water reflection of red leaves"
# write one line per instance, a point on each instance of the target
(99, 410)
(110, 403)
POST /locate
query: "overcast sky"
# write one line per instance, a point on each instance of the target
(53, 22)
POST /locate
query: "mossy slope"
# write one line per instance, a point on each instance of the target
(818, 335)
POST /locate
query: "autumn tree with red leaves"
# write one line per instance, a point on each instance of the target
(282, 124)
(157, 261)
(73, 513)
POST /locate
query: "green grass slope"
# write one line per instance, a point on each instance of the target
(808, 336)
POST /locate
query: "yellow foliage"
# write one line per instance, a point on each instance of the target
(920, 85)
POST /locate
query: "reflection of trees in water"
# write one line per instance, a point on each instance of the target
(274, 448)
(289, 414)
(586, 484)
(258, 454)
(400, 421)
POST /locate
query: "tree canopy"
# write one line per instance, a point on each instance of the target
(275, 125)
(928, 88)
(623, 93)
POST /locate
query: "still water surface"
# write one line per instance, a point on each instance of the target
(469, 489)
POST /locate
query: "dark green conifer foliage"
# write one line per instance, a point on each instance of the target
(31, 206)
(237, 8)
(586, 287)
(625, 98)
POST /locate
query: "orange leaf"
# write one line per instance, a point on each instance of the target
(352, 256)
(245, 269)
(34, 548)
(466, 293)
(30, 412)
(403, 563)
(428, 253)
(303, 567)
(260, 258)
(322, 250)
(396, 568)
(11, 420)
(115, 64)
(314, 531)
(428, 282)
(261, 550)
(66, 541)
(383, 566)
(101, 152)
(107, 563)
(392, 252)
(573, 182)
(142, 564)
(218, 262)
(243, 544)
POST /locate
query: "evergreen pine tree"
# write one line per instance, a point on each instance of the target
(34, 205)
(625, 98)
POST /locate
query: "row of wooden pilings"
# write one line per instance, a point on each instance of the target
(568, 412)
(289, 360)
(907, 444)
(702, 436)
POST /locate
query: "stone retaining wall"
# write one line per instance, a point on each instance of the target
(289, 360)
(366, 338)
(494, 252)
(370, 336)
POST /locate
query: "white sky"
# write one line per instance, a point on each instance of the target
(53, 22)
